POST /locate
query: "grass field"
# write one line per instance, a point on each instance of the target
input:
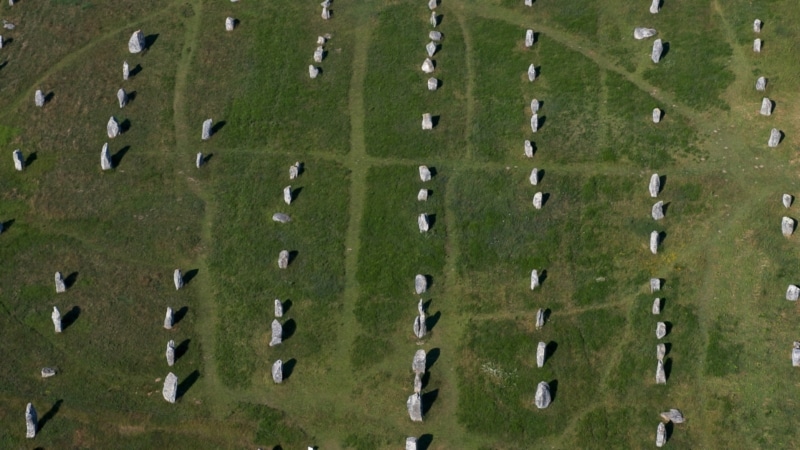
(349, 289)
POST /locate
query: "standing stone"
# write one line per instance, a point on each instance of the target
(422, 195)
(31, 421)
(766, 107)
(427, 66)
(112, 127)
(171, 353)
(534, 178)
(56, 316)
(774, 138)
(433, 84)
(206, 134)
(643, 33)
(661, 377)
(105, 158)
(655, 285)
(417, 383)
(170, 391)
(528, 2)
(278, 308)
(537, 200)
(230, 23)
(757, 45)
(136, 42)
(654, 7)
(169, 319)
(531, 72)
(122, 97)
(661, 351)
(423, 223)
(277, 372)
(661, 432)
(125, 70)
(792, 293)
(430, 49)
(427, 122)
(294, 170)
(657, 306)
(198, 161)
(542, 398)
(281, 217)
(529, 38)
(673, 415)
(787, 226)
(287, 195)
(319, 53)
(761, 84)
(283, 259)
(19, 162)
(535, 123)
(418, 365)
(48, 372)
(534, 106)
(420, 330)
(541, 353)
(796, 354)
(326, 13)
(658, 48)
(757, 26)
(420, 284)
(655, 185)
(313, 72)
(321, 40)
(177, 278)
(60, 285)
(411, 443)
(435, 36)
(38, 98)
(534, 279)
(434, 19)
(414, 406)
(658, 210)
(787, 200)
(656, 115)
(528, 148)
(539, 319)
(1, 37)
(432, 5)
(277, 333)
(421, 307)
(661, 330)
(424, 173)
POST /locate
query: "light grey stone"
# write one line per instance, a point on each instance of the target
(757, 26)
(796, 354)
(658, 48)
(657, 306)
(757, 45)
(48, 372)
(531, 72)
(658, 210)
(19, 161)
(528, 2)
(122, 98)
(411, 443)
(787, 226)
(534, 178)
(766, 107)
(281, 217)
(230, 23)
(277, 372)
(761, 84)
(534, 106)
(170, 391)
(206, 133)
(56, 316)
(774, 138)
(528, 148)
(640, 33)
(287, 195)
(1, 38)
(31, 421)
(423, 223)
(542, 398)
(654, 6)
(295, 169)
(421, 307)
(105, 158)
(529, 38)
(534, 279)
(313, 72)
(326, 4)
(319, 53)
(535, 123)
(321, 40)
(673, 415)
(432, 4)
(427, 66)
(414, 406)
(434, 19)
(283, 259)
(326, 13)
(112, 127)
(656, 115)
(60, 285)
(136, 43)
(8, 25)
(420, 330)
(420, 284)
(661, 378)
(418, 365)
(427, 122)
(661, 431)
(38, 98)
(655, 285)
(435, 36)
(655, 185)
(424, 173)
(278, 308)
(417, 383)
(198, 161)
(541, 354)
(537, 200)
(170, 353)
(277, 334)
(430, 49)
(177, 278)
(422, 195)
(539, 319)
(125, 70)
(169, 319)
(661, 351)
(787, 200)
(661, 330)
(792, 293)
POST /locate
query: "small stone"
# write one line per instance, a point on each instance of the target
(534, 279)
(418, 365)
(657, 306)
(435, 36)
(414, 406)
(427, 66)
(295, 169)
(122, 97)
(281, 217)
(287, 195)
(277, 372)
(177, 278)
(19, 162)
(136, 43)
(658, 48)
(656, 115)
(529, 38)
(542, 398)
(796, 354)
(170, 353)
(661, 377)
(434, 19)
(420, 284)
(541, 353)
(31, 421)
(654, 7)
(422, 195)
(673, 415)
(654, 242)
(792, 293)
(423, 223)
(321, 40)
(313, 72)
(774, 138)
(757, 45)
(661, 330)
(125, 70)
(658, 210)
(170, 390)
(424, 173)
(787, 200)
(761, 84)
(427, 122)
(230, 23)
(278, 308)
(430, 49)
(8, 25)
(528, 149)
(537, 200)
(56, 316)
(112, 128)
(319, 54)
(283, 259)
(411, 443)
(539, 319)
(787, 226)
(277, 334)
(432, 4)
(105, 158)
(661, 432)
(534, 106)
(206, 134)
(534, 178)
(326, 13)
(766, 107)
(38, 98)
(535, 123)
(757, 26)
(643, 33)
(661, 351)
(655, 185)
(48, 372)
(531, 72)
(198, 160)
(169, 319)
(655, 285)
(60, 285)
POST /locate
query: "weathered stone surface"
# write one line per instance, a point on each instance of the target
(420, 284)
(424, 173)
(206, 133)
(48, 372)
(122, 98)
(319, 53)
(432, 4)
(655, 285)
(427, 122)
(528, 148)
(435, 36)
(539, 319)
(661, 378)
(541, 354)
(774, 138)
(423, 223)
(277, 372)
(19, 161)
(170, 391)
(542, 398)
(528, 2)
(170, 353)
(283, 259)
(796, 354)
(537, 200)
(125, 70)
(434, 19)
(661, 330)
(655, 185)
(420, 330)
(535, 123)
(757, 26)
(295, 169)
(136, 42)
(177, 278)
(654, 7)
(112, 127)
(661, 351)
(411, 443)
(656, 115)
(792, 293)
(277, 334)
(169, 319)
(287, 195)
(56, 316)
(531, 72)
(534, 106)
(657, 306)
(529, 38)
(534, 178)
(198, 161)
(278, 308)
(38, 98)
(418, 365)
(787, 226)
(757, 45)
(421, 307)
(414, 406)
(640, 33)
(766, 107)
(105, 158)
(427, 66)
(313, 71)
(8, 25)
(658, 210)
(534, 279)
(326, 13)
(787, 200)
(422, 195)
(430, 49)
(673, 415)
(31, 421)
(281, 217)
(321, 40)
(417, 383)
(230, 23)
(60, 285)
(761, 84)
(658, 48)
(661, 432)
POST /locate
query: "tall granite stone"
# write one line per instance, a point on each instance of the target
(433, 84)
(169, 319)
(31, 421)
(60, 285)
(122, 98)
(787, 226)
(177, 278)
(427, 122)
(313, 71)
(319, 54)
(420, 330)
(540, 319)
(658, 49)
(531, 72)
(774, 138)
(278, 309)
(661, 435)
(787, 199)
(125, 70)
(435, 36)
(766, 107)
(206, 133)
(418, 364)
(534, 279)
(658, 210)
(661, 377)
(427, 66)
(757, 45)
(277, 334)
(537, 200)
(756, 26)
(661, 330)
(19, 161)
(112, 127)
(414, 406)
(294, 170)
(542, 398)
(230, 23)
(38, 98)
(424, 173)
(421, 307)
(528, 145)
(56, 316)
(792, 293)
(411, 443)
(430, 49)
(654, 6)
(283, 259)
(105, 158)
(655, 285)
(423, 223)
(534, 178)
(656, 306)
(422, 195)
(529, 38)
(277, 372)
(796, 354)
(170, 390)
(535, 123)
(287, 195)
(541, 354)
(761, 84)
(434, 20)
(136, 43)
(170, 353)
(198, 160)
(420, 284)
(655, 185)
(417, 383)
(661, 351)
(656, 115)
(432, 4)
(326, 13)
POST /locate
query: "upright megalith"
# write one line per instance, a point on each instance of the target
(421, 307)
(430, 49)
(535, 123)
(434, 20)
(169, 319)
(640, 33)
(787, 200)
(122, 98)
(757, 45)
(673, 415)
(661, 351)
(787, 226)
(534, 279)
(283, 259)
(661, 435)
(326, 13)
(661, 377)
(294, 170)
(423, 223)
(420, 329)
(774, 138)
(433, 84)
(528, 147)
(277, 333)
(656, 306)
(136, 43)
(529, 38)
(661, 330)
(170, 390)
(655, 285)
(56, 316)
(656, 115)
(31, 421)
(287, 195)
(313, 71)
(277, 372)
(534, 177)
(112, 127)
(658, 210)
(541, 354)
(537, 200)
(654, 6)
(766, 107)
(206, 133)
(427, 122)
(19, 161)
(420, 284)
(422, 195)
(424, 173)
(170, 353)
(655, 185)
(792, 293)
(177, 278)
(417, 383)
(230, 23)
(654, 242)
(105, 158)
(535, 106)
(531, 72)
(278, 308)
(540, 318)
(126, 72)
(658, 49)
(432, 4)
(198, 160)
(427, 66)
(38, 98)
(61, 286)
(319, 54)
(761, 84)
(756, 26)
(542, 398)
(418, 364)
(796, 354)
(411, 443)
(414, 406)
(435, 36)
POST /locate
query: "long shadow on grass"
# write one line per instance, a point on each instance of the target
(428, 399)
(667, 368)
(287, 305)
(217, 126)
(49, 414)
(424, 441)
(189, 275)
(431, 357)
(133, 72)
(116, 158)
(70, 317)
(288, 368)
(296, 193)
(187, 383)
(149, 40)
(553, 390)
(550, 349)
(179, 314)
(6, 225)
(431, 321)
(30, 159)
(124, 126)
(293, 255)
(70, 280)
(181, 349)
(288, 329)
